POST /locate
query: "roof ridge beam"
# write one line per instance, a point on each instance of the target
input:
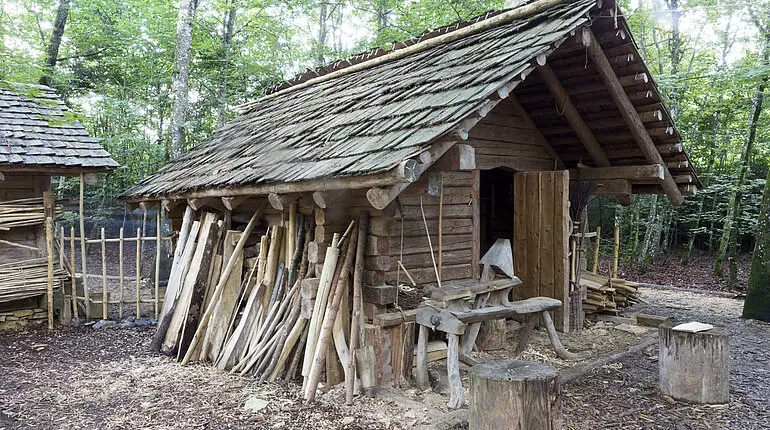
(627, 109)
(580, 127)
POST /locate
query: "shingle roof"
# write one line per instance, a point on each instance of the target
(367, 121)
(38, 132)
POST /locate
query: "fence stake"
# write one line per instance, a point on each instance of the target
(49, 255)
(138, 273)
(105, 301)
(61, 249)
(120, 269)
(157, 263)
(84, 271)
(74, 279)
(615, 253)
(596, 248)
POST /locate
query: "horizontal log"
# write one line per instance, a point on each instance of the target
(374, 277)
(427, 275)
(432, 212)
(449, 257)
(418, 245)
(379, 294)
(652, 172)
(378, 262)
(519, 164)
(412, 228)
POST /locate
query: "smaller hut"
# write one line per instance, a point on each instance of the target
(39, 138)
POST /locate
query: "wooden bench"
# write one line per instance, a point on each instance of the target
(459, 310)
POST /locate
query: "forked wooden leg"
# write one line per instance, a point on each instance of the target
(561, 351)
(456, 391)
(525, 332)
(421, 369)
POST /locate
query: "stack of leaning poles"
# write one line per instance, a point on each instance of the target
(244, 314)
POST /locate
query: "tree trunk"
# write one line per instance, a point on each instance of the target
(224, 70)
(181, 84)
(52, 52)
(733, 211)
(322, 33)
(676, 57)
(757, 303)
(643, 259)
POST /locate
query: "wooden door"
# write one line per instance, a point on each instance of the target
(541, 237)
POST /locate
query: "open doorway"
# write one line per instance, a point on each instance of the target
(496, 207)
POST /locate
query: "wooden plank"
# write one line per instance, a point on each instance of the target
(548, 225)
(427, 275)
(226, 305)
(532, 285)
(520, 229)
(561, 246)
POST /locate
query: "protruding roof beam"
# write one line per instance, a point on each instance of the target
(653, 172)
(564, 104)
(281, 202)
(232, 202)
(630, 114)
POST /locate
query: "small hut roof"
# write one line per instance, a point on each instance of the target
(368, 114)
(38, 133)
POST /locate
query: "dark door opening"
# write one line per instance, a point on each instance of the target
(496, 207)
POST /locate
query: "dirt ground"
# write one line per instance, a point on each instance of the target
(80, 378)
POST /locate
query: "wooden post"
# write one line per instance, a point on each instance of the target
(694, 367)
(120, 273)
(355, 321)
(456, 391)
(49, 210)
(74, 278)
(83, 269)
(157, 263)
(105, 302)
(366, 363)
(49, 258)
(421, 362)
(61, 249)
(138, 273)
(596, 248)
(441, 228)
(514, 394)
(616, 252)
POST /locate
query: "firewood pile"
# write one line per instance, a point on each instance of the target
(264, 316)
(28, 278)
(606, 295)
(22, 213)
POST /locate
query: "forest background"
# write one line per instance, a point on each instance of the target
(153, 78)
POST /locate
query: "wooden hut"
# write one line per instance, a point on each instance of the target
(39, 138)
(479, 125)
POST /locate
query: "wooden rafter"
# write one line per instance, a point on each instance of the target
(630, 114)
(582, 130)
(652, 172)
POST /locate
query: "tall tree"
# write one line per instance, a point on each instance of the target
(52, 51)
(730, 227)
(757, 303)
(181, 83)
(224, 72)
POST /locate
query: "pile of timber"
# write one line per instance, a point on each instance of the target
(28, 278)
(22, 213)
(267, 317)
(606, 295)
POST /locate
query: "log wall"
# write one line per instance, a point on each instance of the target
(503, 139)
(22, 186)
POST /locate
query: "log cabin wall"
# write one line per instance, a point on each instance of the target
(22, 186)
(503, 139)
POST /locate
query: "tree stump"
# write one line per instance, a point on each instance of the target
(492, 335)
(694, 367)
(513, 394)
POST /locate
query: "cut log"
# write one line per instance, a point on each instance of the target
(492, 335)
(694, 367)
(514, 394)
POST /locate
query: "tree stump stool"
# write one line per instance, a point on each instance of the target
(513, 394)
(493, 335)
(694, 367)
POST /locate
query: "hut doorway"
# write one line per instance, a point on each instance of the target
(496, 207)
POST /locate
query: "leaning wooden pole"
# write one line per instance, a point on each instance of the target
(138, 273)
(355, 321)
(83, 269)
(223, 278)
(328, 323)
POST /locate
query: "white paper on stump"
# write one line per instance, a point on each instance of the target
(693, 327)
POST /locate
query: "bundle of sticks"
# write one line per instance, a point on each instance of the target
(28, 278)
(244, 314)
(606, 295)
(22, 213)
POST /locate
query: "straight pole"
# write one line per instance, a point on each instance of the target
(157, 262)
(105, 301)
(120, 274)
(616, 252)
(138, 273)
(74, 280)
(83, 268)
(596, 248)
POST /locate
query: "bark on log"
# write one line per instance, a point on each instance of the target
(514, 394)
(694, 367)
